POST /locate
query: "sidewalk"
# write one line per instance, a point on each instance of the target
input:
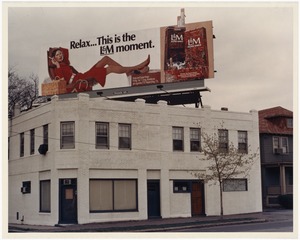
(151, 225)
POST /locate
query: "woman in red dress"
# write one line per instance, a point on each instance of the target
(59, 67)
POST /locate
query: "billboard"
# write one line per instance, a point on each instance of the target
(129, 59)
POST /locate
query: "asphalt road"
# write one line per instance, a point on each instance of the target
(278, 221)
(282, 226)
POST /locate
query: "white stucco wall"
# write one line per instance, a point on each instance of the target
(151, 157)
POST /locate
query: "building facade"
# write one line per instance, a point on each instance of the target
(276, 145)
(83, 160)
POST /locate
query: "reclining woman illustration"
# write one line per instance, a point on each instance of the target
(59, 67)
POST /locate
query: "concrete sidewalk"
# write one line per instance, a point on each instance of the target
(151, 225)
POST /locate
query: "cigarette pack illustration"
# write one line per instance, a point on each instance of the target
(174, 48)
(187, 60)
(196, 51)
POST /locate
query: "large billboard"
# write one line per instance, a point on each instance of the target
(129, 59)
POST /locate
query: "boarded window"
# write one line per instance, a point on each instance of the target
(45, 196)
(231, 185)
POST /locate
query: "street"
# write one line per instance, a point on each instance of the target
(281, 226)
(278, 221)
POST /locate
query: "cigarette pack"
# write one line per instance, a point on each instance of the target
(174, 47)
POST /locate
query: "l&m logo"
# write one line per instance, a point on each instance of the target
(176, 37)
(194, 42)
(106, 50)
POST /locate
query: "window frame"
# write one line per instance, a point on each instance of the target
(26, 184)
(241, 143)
(72, 145)
(98, 145)
(120, 137)
(224, 186)
(289, 122)
(279, 145)
(32, 141)
(46, 134)
(195, 140)
(114, 194)
(178, 186)
(47, 210)
(22, 143)
(223, 140)
(176, 140)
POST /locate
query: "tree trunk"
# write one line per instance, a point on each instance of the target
(221, 200)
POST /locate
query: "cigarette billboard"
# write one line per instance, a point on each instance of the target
(129, 59)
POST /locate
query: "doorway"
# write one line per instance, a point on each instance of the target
(68, 200)
(197, 198)
(153, 198)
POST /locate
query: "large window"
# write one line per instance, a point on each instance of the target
(195, 139)
(231, 185)
(280, 145)
(177, 138)
(102, 131)
(67, 140)
(32, 141)
(45, 196)
(113, 195)
(242, 142)
(124, 136)
(223, 140)
(21, 144)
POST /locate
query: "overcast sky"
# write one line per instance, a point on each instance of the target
(253, 49)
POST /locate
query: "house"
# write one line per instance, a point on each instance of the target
(81, 160)
(276, 145)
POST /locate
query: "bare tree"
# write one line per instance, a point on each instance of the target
(223, 162)
(22, 91)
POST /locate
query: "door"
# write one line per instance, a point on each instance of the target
(197, 198)
(153, 199)
(68, 201)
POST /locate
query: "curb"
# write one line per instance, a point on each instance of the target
(145, 228)
(199, 225)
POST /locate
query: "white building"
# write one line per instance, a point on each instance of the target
(111, 160)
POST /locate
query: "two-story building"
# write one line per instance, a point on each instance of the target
(83, 160)
(276, 145)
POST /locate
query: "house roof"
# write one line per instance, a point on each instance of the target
(273, 121)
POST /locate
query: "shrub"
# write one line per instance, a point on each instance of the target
(286, 201)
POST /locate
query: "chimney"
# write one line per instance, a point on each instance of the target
(17, 109)
(181, 18)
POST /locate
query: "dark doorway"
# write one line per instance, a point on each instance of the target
(153, 199)
(197, 198)
(68, 201)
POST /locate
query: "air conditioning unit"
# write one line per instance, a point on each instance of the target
(278, 151)
(67, 181)
(43, 148)
(24, 189)
(272, 201)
